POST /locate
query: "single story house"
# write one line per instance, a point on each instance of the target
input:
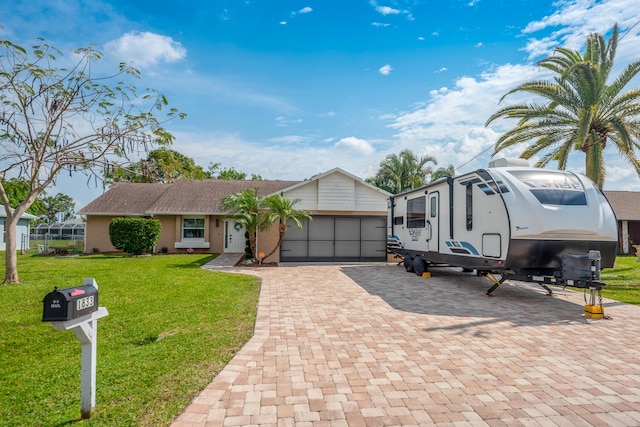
(22, 230)
(626, 206)
(349, 217)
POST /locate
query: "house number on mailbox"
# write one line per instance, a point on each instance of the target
(85, 302)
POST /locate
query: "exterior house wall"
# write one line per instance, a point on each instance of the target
(22, 229)
(337, 194)
(167, 232)
(267, 241)
(97, 234)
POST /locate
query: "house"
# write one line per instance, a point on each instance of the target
(626, 206)
(22, 230)
(349, 217)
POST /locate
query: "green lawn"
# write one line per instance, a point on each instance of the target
(623, 281)
(171, 327)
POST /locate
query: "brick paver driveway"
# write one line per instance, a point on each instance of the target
(371, 345)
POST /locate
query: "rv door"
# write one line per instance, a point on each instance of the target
(433, 208)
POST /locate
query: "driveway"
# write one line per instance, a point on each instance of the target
(372, 345)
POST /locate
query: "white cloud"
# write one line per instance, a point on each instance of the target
(386, 10)
(450, 126)
(305, 10)
(440, 70)
(573, 20)
(479, 44)
(385, 70)
(355, 144)
(380, 24)
(283, 22)
(145, 49)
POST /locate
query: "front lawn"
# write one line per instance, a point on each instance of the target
(171, 327)
(623, 280)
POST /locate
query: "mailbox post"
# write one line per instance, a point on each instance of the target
(77, 309)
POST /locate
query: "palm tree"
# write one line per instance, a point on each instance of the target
(244, 208)
(279, 208)
(402, 172)
(443, 173)
(582, 111)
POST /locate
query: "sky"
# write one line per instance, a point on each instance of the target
(288, 89)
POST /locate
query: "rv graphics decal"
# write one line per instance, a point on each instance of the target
(458, 247)
(415, 234)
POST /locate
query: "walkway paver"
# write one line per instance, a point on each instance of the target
(371, 345)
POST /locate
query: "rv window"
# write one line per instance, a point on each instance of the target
(469, 205)
(398, 220)
(416, 209)
(553, 188)
(434, 207)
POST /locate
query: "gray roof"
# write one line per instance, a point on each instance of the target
(182, 197)
(625, 204)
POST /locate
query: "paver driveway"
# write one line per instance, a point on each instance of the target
(371, 345)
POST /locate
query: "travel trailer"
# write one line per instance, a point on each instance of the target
(511, 220)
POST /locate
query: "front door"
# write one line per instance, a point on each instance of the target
(234, 240)
(433, 213)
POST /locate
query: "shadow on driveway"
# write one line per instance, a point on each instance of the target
(450, 292)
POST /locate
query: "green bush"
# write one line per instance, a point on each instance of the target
(134, 235)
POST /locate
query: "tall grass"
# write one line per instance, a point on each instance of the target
(171, 327)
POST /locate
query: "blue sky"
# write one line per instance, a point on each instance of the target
(290, 89)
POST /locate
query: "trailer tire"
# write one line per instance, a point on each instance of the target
(419, 265)
(408, 263)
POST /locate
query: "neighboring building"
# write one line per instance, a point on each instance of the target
(349, 217)
(66, 230)
(626, 206)
(22, 230)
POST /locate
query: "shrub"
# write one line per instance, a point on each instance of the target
(134, 235)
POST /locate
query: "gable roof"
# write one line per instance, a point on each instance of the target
(340, 171)
(625, 204)
(182, 197)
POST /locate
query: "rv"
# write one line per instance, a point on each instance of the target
(510, 220)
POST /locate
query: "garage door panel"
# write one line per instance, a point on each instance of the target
(349, 249)
(347, 228)
(294, 249)
(321, 229)
(373, 249)
(293, 233)
(320, 249)
(374, 229)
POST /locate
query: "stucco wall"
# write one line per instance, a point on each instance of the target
(97, 234)
(266, 242)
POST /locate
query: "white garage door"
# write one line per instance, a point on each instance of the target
(332, 238)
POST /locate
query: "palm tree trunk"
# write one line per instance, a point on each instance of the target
(283, 229)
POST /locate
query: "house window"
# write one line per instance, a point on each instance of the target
(193, 228)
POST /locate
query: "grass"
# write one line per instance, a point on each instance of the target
(623, 280)
(171, 327)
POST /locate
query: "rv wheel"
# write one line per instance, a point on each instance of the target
(419, 266)
(408, 263)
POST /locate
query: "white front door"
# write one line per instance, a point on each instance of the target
(234, 240)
